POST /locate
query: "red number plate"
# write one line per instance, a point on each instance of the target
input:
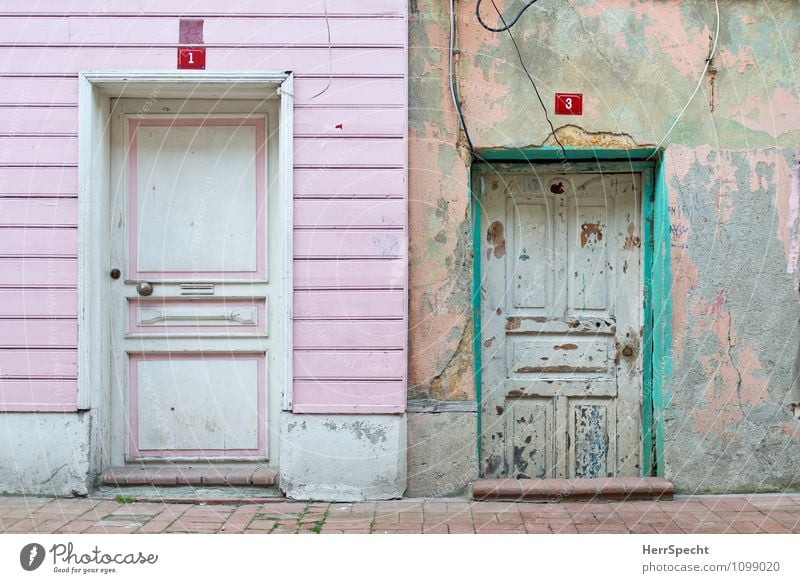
(191, 58)
(569, 103)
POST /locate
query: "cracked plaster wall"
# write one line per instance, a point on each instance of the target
(734, 195)
(45, 454)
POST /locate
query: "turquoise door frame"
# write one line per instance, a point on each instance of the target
(657, 360)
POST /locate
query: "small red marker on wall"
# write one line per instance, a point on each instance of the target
(190, 32)
(569, 103)
(191, 58)
(339, 126)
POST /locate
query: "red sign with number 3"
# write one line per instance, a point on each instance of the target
(569, 103)
(191, 58)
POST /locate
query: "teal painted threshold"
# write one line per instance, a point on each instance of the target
(657, 363)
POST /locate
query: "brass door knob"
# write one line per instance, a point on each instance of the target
(145, 288)
(627, 351)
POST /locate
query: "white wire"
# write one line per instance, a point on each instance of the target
(456, 103)
(450, 53)
(699, 83)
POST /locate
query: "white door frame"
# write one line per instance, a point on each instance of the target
(96, 89)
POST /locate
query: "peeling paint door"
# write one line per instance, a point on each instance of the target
(561, 324)
(191, 287)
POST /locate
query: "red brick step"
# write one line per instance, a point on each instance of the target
(174, 475)
(580, 489)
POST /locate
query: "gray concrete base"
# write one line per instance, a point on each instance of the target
(44, 454)
(343, 457)
(442, 456)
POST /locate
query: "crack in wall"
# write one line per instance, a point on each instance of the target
(443, 386)
(731, 344)
(576, 136)
(593, 41)
(453, 381)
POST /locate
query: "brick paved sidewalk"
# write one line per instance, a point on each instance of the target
(692, 514)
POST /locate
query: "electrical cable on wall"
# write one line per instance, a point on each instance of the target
(710, 58)
(453, 91)
(330, 52)
(330, 58)
(507, 28)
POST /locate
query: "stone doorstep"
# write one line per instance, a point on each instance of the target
(175, 475)
(580, 489)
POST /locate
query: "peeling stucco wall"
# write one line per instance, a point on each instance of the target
(731, 167)
(728, 422)
(440, 247)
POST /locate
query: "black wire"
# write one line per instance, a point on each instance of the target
(505, 26)
(464, 125)
(453, 84)
(330, 52)
(530, 77)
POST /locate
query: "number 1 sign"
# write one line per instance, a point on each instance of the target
(569, 103)
(191, 58)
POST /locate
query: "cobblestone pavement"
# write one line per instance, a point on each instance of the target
(757, 513)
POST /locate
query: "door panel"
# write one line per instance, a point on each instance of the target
(532, 280)
(556, 355)
(196, 196)
(193, 316)
(587, 249)
(529, 427)
(562, 323)
(192, 358)
(591, 452)
(194, 403)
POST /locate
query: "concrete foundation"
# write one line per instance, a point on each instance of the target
(45, 454)
(343, 457)
(442, 456)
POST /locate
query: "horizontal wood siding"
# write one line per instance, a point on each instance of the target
(351, 274)
(350, 127)
(38, 303)
(348, 183)
(315, 61)
(348, 305)
(349, 214)
(275, 31)
(39, 333)
(202, 8)
(38, 394)
(356, 334)
(349, 397)
(55, 212)
(347, 91)
(24, 273)
(321, 244)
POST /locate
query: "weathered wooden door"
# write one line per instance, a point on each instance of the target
(561, 321)
(190, 289)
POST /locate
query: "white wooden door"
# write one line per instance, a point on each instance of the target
(190, 286)
(561, 321)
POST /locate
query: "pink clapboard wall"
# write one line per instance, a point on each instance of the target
(350, 226)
